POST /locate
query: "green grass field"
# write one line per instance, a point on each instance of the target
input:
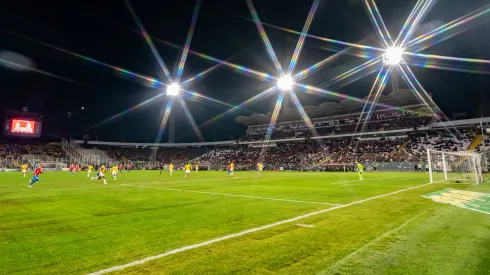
(70, 225)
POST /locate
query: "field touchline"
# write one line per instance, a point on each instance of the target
(245, 232)
(230, 195)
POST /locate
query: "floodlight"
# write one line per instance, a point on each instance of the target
(393, 56)
(285, 83)
(173, 89)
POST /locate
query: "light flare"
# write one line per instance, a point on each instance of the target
(191, 119)
(265, 38)
(408, 23)
(173, 89)
(420, 14)
(241, 69)
(379, 86)
(149, 81)
(242, 105)
(212, 68)
(450, 25)
(304, 115)
(118, 115)
(39, 71)
(435, 65)
(378, 22)
(451, 58)
(180, 70)
(301, 40)
(352, 71)
(354, 45)
(272, 124)
(393, 56)
(195, 96)
(166, 115)
(344, 96)
(424, 96)
(285, 83)
(148, 40)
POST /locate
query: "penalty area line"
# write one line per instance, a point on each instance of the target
(245, 232)
(231, 195)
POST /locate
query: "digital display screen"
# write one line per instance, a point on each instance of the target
(23, 126)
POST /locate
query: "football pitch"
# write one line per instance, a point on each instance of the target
(280, 223)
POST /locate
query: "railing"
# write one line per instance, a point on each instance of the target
(33, 160)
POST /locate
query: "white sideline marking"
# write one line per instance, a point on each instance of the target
(337, 182)
(230, 195)
(305, 225)
(245, 232)
(386, 234)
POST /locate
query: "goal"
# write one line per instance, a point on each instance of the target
(458, 167)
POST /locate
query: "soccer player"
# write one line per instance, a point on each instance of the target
(232, 168)
(89, 170)
(260, 168)
(114, 171)
(197, 167)
(360, 169)
(100, 174)
(187, 169)
(128, 167)
(121, 168)
(35, 176)
(375, 168)
(77, 168)
(161, 168)
(228, 168)
(171, 169)
(72, 169)
(24, 169)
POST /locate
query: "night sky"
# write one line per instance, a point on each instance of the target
(103, 30)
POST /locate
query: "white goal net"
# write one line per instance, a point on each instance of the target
(455, 167)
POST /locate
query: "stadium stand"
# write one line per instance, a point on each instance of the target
(399, 135)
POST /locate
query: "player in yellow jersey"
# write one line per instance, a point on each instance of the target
(187, 168)
(100, 174)
(197, 167)
(260, 168)
(360, 169)
(171, 169)
(24, 167)
(90, 168)
(232, 169)
(114, 171)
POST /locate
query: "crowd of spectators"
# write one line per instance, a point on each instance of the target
(333, 151)
(342, 151)
(16, 150)
(127, 153)
(164, 155)
(344, 126)
(417, 149)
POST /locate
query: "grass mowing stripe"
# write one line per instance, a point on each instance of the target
(332, 268)
(338, 182)
(231, 195)
(248, 231)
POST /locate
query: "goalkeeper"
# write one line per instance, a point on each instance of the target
(360, 169)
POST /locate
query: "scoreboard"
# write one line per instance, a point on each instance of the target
(22, 124)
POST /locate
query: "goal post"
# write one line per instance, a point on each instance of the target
(454, 166)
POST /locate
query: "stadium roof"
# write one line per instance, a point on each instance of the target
(398, 98)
